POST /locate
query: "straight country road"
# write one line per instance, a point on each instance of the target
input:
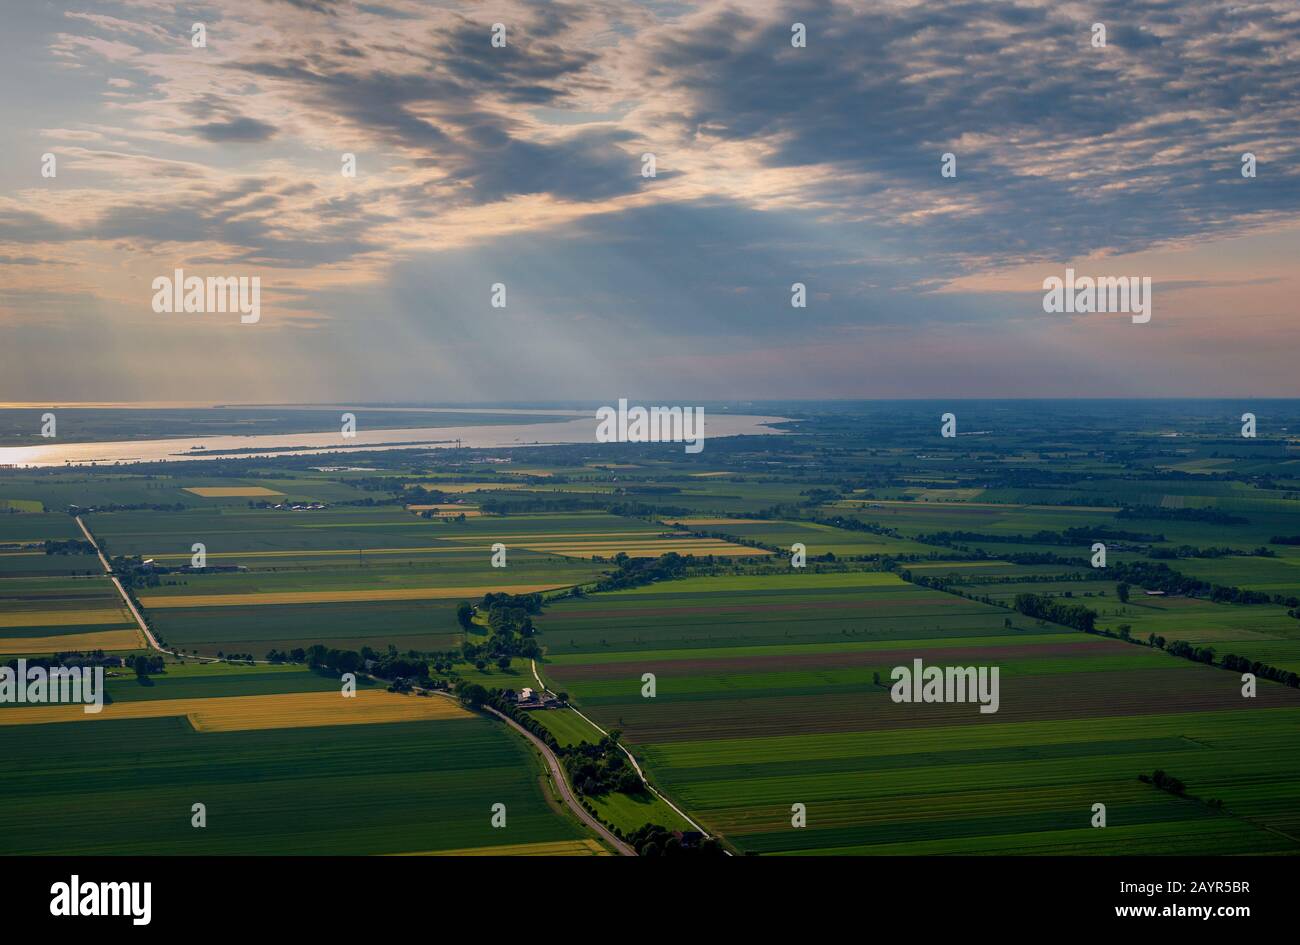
(126, 598)
(557, 771)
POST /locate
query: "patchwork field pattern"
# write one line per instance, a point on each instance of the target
(771, 683)
(49, 613)
(247, 713)
(592, 535)
(817, 539)
(344, 577)
(232, 492)
(769, 697)
(269, 785)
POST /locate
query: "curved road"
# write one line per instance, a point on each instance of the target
(635, 767)
(566, 793)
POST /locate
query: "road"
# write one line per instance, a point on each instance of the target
(557, 772)
(566, 793)
(635, 767)
(126, 598)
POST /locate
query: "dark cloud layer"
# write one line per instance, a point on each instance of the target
(457, 115)
(1130, 145)
(238, 129)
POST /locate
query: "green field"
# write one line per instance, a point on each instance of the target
(349, 789)
(362, 551)
(772, 684)
(745, 724)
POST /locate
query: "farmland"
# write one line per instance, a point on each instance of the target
(619, 564)
(232, 738)
(53, 612)
(348, 577)
(743, 726)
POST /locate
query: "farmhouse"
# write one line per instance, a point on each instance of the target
(532, 699)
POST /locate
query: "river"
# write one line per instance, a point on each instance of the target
(581, 429)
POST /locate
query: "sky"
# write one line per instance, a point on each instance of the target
(522, 164)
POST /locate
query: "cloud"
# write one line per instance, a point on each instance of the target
(1062, 149)
(237, 129)
(776, 165)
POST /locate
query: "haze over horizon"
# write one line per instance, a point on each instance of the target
(522, 165)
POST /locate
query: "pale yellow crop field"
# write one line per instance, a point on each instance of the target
(547, 848)
(721, 551)
(231, 492)
(456, 488)
(645, 543)
(63, 618)
(308, 553)
(340, 597)
(712, 521)
(643, 548)
(125, 639)
(445, 510)
(248, 713)
(537, 536)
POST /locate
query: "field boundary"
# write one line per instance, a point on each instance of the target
(630, 757)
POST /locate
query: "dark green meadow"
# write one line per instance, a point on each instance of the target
(404, 787)
(743, 725)
(127, 787)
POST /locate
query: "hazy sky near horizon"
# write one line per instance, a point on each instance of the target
(522, 165)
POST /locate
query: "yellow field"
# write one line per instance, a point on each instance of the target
(535, 536)
(247, 713)
(642, 548)
(549, 848)
(309, 552)
(63, 618)
(126, 639)
(647, 543)
(456, 488)
(711, 521)
(340, 597)
(230, 492)
(642, 543)
(721, 549)
(446, 510)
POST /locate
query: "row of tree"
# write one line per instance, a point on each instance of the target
(1042, 607)
(70, 546)
(634, 572)
(1157, 576)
